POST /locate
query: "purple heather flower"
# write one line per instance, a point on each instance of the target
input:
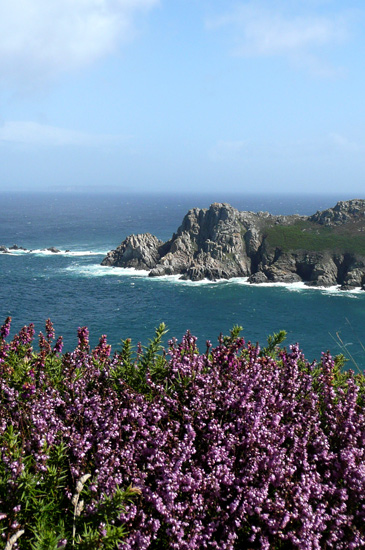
(5, 328)
(49, 330)
(58, 345)
(83, 336)
(230, 448)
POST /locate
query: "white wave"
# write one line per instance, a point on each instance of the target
(45, 252)
(15, 252)
(177, 279)
(336, 290)
(297, 286)
(83, 253)
(301, 286)
(96, 270)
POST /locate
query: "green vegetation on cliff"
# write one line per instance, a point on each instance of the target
(306, 235)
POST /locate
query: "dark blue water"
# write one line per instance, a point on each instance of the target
(74, 290)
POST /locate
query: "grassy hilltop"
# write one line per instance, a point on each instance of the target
(308, 235)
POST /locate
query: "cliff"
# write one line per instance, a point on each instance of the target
(325, 249)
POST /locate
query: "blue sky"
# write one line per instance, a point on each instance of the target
(183, 95)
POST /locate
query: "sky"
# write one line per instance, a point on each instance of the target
(183, 95)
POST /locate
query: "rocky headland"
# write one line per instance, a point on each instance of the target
(325, 249)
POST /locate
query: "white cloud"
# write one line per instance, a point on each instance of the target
(39, 39)
(261, 31)
(30, 133)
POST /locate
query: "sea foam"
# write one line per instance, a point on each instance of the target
(97, 270)
(45, 252)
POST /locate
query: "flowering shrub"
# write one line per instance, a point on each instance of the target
(229, 449)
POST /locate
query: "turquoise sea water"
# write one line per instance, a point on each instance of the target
(74, 290)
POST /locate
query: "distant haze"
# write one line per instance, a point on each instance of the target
(183, 96)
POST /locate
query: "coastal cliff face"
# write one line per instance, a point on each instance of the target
(325, 249)
(138, 251)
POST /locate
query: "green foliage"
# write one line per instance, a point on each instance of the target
(103, 529)
(233, 335)
(123, 370)
(38, 498)
(152, 360)
(54, 369)
(306, 235)
(273, 343)
(133, 368)
(43, 509)
(47, 536)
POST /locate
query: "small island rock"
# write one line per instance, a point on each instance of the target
(220, 242)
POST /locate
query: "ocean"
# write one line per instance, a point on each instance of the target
(73, 289)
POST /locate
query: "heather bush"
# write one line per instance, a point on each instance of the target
(229, 449)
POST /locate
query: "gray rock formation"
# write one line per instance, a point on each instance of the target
(16, 247)
(343, 212)
(138, 251)
(221, 242)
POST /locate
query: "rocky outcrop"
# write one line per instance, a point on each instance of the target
(138, 251)
(221, 242)
(343, 212)
(16, 247)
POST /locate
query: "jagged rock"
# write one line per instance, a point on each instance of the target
(280, 267)
(177, 258)
(258, 278)
(253, 240)
(138, 251)
(277, 275)
(16, 247)
(221, 242)
(354, 278)
(341, 213)
(161, 270)
(3, 249)
(53, 249)
(324, 273)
